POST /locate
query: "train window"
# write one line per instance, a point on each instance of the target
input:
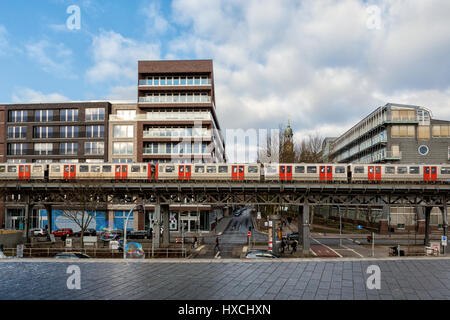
(359, 169)
(95, 168)
(188, 168)
(390, 170)
(223, 169)
(211, 169)
(339, 170)
(135, 169)
(433, 170)
(329, 169)
(12, 169)
(289, 169)
(241, 169)
(84, 168)
(170, 168)
(282, 169)
(252, 169)
(37, 169)
(414, 170)
(234, 169)
(444, 170)
(322, 169)
(2, 168)
(311, 169)
(299, 169)
(181, 168)
(106, 168)
(199, 169)
(402, 170)
(271, 169)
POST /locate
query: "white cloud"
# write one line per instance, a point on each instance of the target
(115, 57)
(52, 58)
(155, 21)
(27, 95)
(128, 93)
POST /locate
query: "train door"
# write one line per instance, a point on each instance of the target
(241, 172)
(429, 173)
(125, 171)
(322, 174)
(329, 173)
(121, 171)
(149, 171)
(371, 173)
(378, 173)
(24, 171)
(181, 172)
(282, 172)
(69, 171)
(288, 172)
(187, 172)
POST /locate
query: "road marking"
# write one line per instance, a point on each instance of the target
(353, 251)
(220, 233)
(327, 247)
(200, 248)
(244, 249)
(217, 255)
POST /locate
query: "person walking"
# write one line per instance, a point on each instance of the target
(294, 246)
(216, 246)
(195, 242)
(283, 245)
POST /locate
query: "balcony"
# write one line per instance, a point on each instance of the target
(175, 82)
(173, 99)
(149, 152)
(175, 134)
(392, 155)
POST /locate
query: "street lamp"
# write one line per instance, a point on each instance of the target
(125, 228)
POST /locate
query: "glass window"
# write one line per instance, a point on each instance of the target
(84, 168)
(423, 150)
(123, 131)
(211, 169)
(190, 81)
(2, 169)
(95, 131)
(95, 168)
(223, 169)
(91, 148)
(126, 114)
(135, 169)
(389, 170)
(106, 168)
(43, 115)
(17, 132)
(68, 148)
(339, 170)
(12, 169)
(414, 170)
(43, 132)
(69, 115)
(359, 169)
(402, 170)
(199, 169)
(311, 169)
(299, 169)
(56, 168)
(170, 168)
(68, 131)
(252, 169)
(95, 114)
(445, 170)
(18, 116)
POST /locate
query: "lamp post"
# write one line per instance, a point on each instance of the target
(125, 228)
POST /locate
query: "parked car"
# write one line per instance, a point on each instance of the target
(62, 232)
(39, 232)
(137, 234)
(260, 254)
(292, 236)
(87, 232)
(71, 255)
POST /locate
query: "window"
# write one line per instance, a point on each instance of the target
(122, 148)
(135, 169)
(401, 170)
(37, 169)
(211, 169)
(299, 169)
(423, 150)
(170, 168)
(120, 131)
(43, 148)
(18, 116)
(223, 169)
(389, 170)
(95, 131)
(401, 226)
(12, 169)
(339, 170)
(68, 148)
(94, 148)
(69, 115)
(311, 169)
(403, 131)
(84, 168)
(423, 132)
(56, 169)
(95, 114)
(252, 169)
(2, 169)
(199, 169)
(414, 170)
(95, 168)
(43, 115)
(359, 169)
(68, 132)
(17, 148)
(126, 114)
(445, 170)
(43, 132)
(17, 132)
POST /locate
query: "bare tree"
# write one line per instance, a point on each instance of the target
(81, 204)
(309, 149)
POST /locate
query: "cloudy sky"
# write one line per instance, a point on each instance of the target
(322, 64)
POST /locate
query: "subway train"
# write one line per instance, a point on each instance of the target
(249, 172)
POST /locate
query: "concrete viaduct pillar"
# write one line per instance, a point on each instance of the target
(26, 222)
(156, 226)
(275, 219)
(420, 220)
(303, 228)
(445, 222)
(49, 210)
(427, 225)
(165, 223)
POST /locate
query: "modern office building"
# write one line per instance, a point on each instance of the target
(176, 115)
(395, 133)
(123, 133)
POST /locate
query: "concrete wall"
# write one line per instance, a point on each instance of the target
(11, 240)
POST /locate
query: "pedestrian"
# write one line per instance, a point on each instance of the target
(193, 243)
(294, 246)
(216, 246)
(283, 245)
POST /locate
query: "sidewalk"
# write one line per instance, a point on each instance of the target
(222, 225)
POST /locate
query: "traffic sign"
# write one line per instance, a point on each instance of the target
(444, 240)
(249, 234)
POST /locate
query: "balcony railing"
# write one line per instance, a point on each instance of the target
(392, 155)
(174, 83)
(149, 152)
(169, 134)
(175, 99)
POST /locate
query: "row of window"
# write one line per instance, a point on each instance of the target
(176, 148)
(402, 170)
(175, 81)
(67, 115)
(177, 132)
(71, 148)
(212, 169)
(441, 131)
(97, 131)
(175, 98)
